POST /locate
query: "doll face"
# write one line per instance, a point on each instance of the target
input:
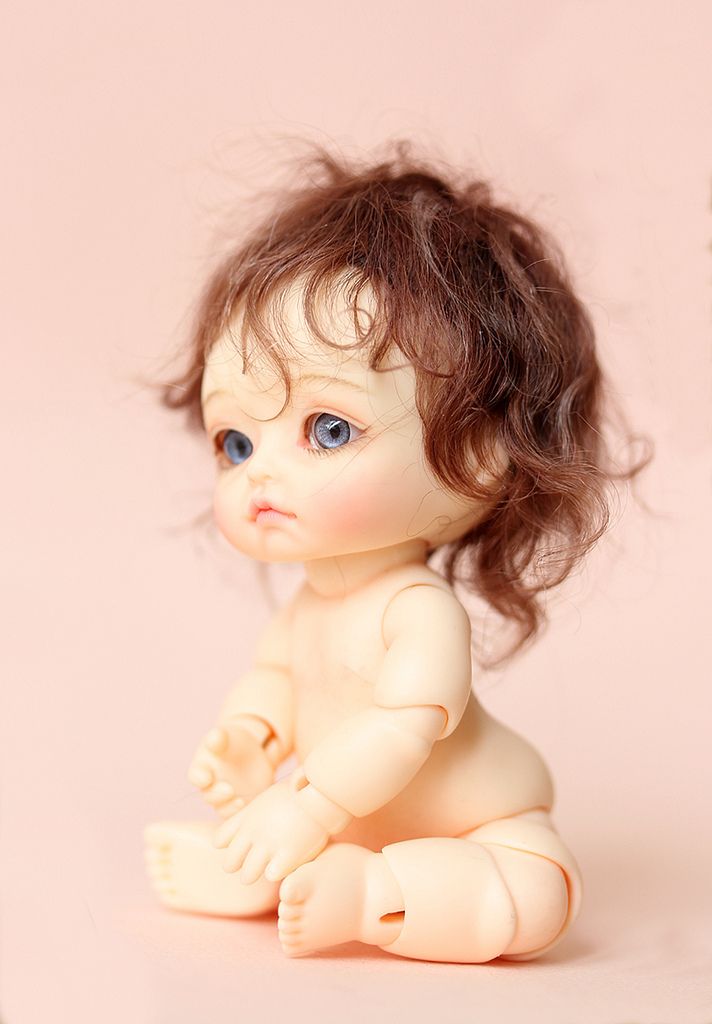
(339, 469)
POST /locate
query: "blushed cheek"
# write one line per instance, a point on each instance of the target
(359, 511)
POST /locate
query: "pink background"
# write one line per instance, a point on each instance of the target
(132, 128)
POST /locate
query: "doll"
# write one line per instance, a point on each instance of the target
(392, 369)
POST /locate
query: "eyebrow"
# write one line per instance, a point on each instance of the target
(307, 378)
(332, 380)
(219, 393)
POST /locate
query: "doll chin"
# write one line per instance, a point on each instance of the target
(268, 553)
(265, 551)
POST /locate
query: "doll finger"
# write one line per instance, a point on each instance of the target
(231, 808)
(254, 865)
(219, 793)
(201, 776)
(226, 832)
(236, 853)
(216, 741)
(282, 864)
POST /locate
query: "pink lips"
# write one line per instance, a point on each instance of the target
(262, 511)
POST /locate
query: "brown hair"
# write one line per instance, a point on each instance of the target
(476, 297)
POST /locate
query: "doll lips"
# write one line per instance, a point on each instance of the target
(262, 512)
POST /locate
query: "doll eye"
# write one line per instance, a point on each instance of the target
(328, 431)
(236, 446)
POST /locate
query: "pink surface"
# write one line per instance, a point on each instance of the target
(130, 128)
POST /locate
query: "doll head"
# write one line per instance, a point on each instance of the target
(332, 443)
(411, 335)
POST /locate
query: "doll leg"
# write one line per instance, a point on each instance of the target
(521, 846)
(187, 873)
(509, 888)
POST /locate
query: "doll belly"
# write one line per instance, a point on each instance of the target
(483, 771)
(480, 773)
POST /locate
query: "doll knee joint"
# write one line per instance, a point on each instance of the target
(457, 906)
(541, 876)
(540, 897)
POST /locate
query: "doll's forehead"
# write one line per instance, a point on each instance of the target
(323, 373)
(311, 365)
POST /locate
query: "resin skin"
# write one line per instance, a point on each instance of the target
(414, 821)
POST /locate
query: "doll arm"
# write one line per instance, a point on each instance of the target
(261, 702)
(419, 697)
(238, 757)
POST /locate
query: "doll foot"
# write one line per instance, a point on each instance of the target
(346, 893)
(187, 873)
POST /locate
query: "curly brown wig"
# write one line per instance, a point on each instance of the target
(476, 297)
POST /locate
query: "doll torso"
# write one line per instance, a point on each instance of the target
(481, 772)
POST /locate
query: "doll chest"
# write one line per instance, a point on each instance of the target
(337, 652)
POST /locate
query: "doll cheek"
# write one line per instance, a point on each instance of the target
(222, 520)
(342, 511)
(224, 512)
(219, 513)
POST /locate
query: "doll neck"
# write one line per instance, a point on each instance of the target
(342, 574)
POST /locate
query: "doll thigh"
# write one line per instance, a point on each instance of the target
(509, 888)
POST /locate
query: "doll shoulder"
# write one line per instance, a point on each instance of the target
(417, 593)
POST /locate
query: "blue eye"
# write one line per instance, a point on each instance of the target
(329, 431)
(236, 445)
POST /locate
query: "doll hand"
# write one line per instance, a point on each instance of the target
(230, 767)
(273, 835)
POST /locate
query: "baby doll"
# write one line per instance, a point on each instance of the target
(392, 366)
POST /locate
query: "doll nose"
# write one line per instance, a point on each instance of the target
(257, 472)
(260, 467)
